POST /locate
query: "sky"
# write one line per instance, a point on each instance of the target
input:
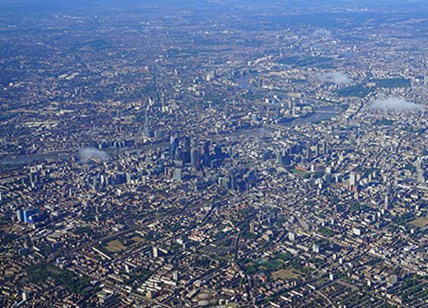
(43, 4)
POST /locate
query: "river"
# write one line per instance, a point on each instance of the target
(321, 113)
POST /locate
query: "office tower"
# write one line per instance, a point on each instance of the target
(28, 213)
(34, 178)
(260, 216)
(356, 194)
(353, 180)
(286, 158)
(174, 143)
(187, 151)
(316, 248)
(178, 174)
(147, 132)
(20, 215)
(308, 151)
(316, 150)
(250, 179)
(252, 227)
(175, 275)
(230, 152)
(279, 157)
(206, 153)
(196, 159)
(387, 193)
(218, 151)
(155, 252)
(324, 146)
(420, 170)
(328, 177)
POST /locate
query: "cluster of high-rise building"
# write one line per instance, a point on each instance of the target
(199, 155)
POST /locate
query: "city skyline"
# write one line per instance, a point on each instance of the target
(221, 153)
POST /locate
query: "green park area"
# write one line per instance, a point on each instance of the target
(420, 222)
(114, 246)
(73, 283)
(364, 89)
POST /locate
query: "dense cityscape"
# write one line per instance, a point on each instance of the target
(221, 153)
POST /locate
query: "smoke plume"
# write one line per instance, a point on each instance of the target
(395, 104)
(322, 33)
(87, 153)
(334, 77)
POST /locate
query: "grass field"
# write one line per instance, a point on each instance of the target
(138, 239)
(300, 172)
(420, 222)
(286, 274)
(115, 246)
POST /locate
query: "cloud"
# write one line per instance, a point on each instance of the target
(334, 77)
(87, 153)
(395, 104)
(322, 33)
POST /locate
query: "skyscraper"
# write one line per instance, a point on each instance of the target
(206, 153)
(252, 227)
(20, 215)
(174, 143)
(178, 174)
(324, 146)
(196, 159)
(353, 181)
(187, 151)
(25, 215)
(420, 170)
(278, 156)
(147, 132)
(175, 275)
(386, 196)
(308, 151)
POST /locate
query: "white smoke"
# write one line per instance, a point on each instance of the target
(87, 153)
(395, 104)
(334, 77)
(322, 33)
